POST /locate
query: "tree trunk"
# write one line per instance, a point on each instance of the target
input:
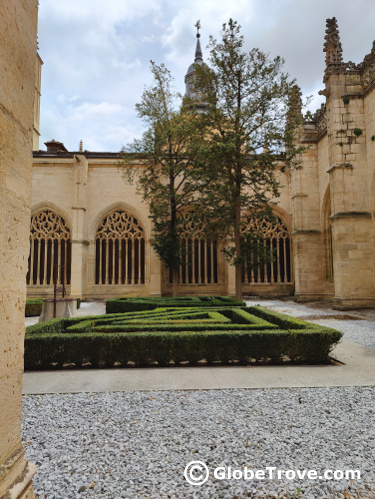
(175, 274)
(238, 274)
(238, 252)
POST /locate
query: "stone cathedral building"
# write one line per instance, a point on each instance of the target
(95, 230)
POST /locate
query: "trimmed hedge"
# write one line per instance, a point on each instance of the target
(144, 349)
(118, 305)
(281, 320)
(175, 335)
(33, 307)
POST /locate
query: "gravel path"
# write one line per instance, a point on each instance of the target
(350, 323)
(137, 444)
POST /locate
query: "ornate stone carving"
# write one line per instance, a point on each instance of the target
(350, 68)
(47, 224)
(332, 45)
(320, 118)
(295, 106)
(120, 225)
(367, 68)
(190, 228)
(265, 228)
(333, 50)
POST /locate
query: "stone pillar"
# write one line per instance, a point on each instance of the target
(155, 273)
(348, 178)
(230, 274)
(80, 244)
(18, 28)
(306, 234)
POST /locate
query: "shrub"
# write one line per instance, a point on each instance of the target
(177, 334)
(34, 306)
(117, 305)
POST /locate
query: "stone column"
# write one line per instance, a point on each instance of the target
(155, 273)
(80, 243)
(348, 178)
(18, 28)
(306, 234)
(350, 205)
(230, 274)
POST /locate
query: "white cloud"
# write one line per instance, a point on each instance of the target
(97, 53)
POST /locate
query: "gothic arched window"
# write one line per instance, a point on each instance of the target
(199, 256)
(266, 244)
(120, 250)
(50, 249)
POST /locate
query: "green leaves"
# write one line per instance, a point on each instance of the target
(248, 128)
(167, 154)
(218, 151)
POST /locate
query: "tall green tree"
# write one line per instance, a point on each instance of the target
(249, 126)
(166, 154)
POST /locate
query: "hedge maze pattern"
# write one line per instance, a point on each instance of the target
(176, 336)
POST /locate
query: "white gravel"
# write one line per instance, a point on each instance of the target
(137, 444)
(352, 325)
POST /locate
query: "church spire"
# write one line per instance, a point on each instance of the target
(198, 59)
(198, 51)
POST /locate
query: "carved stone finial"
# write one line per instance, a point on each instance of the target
(332, 45)
(332, 48)
(295, 100)
(294, 114)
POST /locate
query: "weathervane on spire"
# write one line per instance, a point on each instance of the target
(198, 26)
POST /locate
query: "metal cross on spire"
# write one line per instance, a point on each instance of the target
(198, 26)
(198, 50)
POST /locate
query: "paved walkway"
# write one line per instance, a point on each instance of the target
(357, 368)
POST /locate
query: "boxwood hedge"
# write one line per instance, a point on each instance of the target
(33, 307)
(117, 305)
(174, 335)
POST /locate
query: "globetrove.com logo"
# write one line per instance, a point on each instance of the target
(197, 473)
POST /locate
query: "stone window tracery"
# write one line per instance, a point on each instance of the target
(50, 249)
(268, 252)
(199, 256)
(120, 250)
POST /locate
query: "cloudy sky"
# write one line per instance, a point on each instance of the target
(96, 53)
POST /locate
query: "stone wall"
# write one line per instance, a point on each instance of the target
(85, 187)
(18, 26)
(334, 219)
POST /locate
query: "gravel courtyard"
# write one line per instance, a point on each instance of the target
(137, 444)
